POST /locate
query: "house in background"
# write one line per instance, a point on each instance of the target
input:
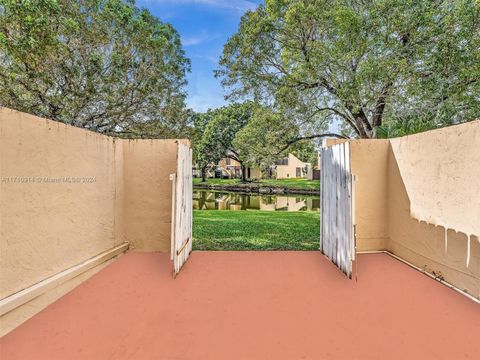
(226, 168)
(292, 168)
(229, 168)
(254, 173)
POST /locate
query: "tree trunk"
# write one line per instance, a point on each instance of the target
(204, 173)
(244, 177)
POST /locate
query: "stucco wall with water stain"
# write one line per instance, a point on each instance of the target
(418, 197)
(434, 203)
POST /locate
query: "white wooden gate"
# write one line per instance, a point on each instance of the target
(337, 207)
(181, 237)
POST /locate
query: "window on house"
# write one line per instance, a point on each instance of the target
(228, 161)
(282, 161)
(299, 172)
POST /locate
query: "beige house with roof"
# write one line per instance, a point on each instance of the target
(292, 168)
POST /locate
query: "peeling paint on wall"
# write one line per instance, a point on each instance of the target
(440, 170)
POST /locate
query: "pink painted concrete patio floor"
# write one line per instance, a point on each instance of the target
(252, 305)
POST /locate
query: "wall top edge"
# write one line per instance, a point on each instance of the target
(7, 113)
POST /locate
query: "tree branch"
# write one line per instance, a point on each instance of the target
(310, 137)
(342, 115)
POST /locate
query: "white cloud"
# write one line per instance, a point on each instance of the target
(211, 58)
(204, 36)
(237, 5)
(193, 40)
(202, 103)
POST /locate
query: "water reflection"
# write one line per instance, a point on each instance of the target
(219, 200)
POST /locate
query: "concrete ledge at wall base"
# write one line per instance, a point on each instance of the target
(15, 300)
(19, 315)
(453, 287)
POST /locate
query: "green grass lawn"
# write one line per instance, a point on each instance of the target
(255, 230)
(293, 183)
(288, 183)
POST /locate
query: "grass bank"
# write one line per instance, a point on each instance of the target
(255, 230)
(287, 184)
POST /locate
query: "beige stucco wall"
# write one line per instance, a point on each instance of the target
(434, 203)
(68, 194)
(49, 224)
(409, 190)
(148, 192)
(368, 161)
(369, 166)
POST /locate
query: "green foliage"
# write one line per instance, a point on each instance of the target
(176, 126)
(260, 140)
(200, 121)
(263, 140)
(359, 63)
(255, 230)
(104, 65)
(216, 132)
(305, 151)
(250, 134)
(401, 128)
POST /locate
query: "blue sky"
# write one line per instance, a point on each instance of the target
(205, 26)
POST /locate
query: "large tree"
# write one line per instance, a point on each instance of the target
(217, 130)
(258, 141)
(104, 65)
(359, 63)
(270, 136)
(202, 149)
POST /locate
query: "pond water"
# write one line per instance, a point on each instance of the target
(222, 200)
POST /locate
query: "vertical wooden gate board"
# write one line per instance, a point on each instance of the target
(337, 240)
(182, 208)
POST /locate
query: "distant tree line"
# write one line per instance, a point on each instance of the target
(249, 133)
